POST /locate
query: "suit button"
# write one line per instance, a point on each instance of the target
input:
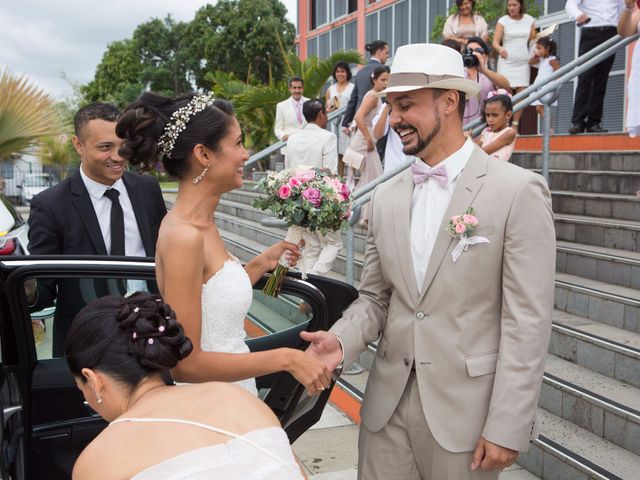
(419, 315)
(406, 362)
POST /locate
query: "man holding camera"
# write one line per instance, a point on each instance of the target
(475, 57)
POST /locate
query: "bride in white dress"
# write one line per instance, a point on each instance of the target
(116, 350)
(199, 141)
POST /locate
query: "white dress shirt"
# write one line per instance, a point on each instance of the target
(314, 147)
(603, 13)
(429, 202)
(102, 206)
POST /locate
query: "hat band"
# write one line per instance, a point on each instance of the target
(417, 79)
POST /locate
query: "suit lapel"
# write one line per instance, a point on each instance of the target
(138, 202)
(401, 211)
(84, 206)
(467, 187)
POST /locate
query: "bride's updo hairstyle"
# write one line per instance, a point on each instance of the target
(126, 338)
(143, 123)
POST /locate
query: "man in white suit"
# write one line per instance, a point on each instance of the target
(314, 146)
(289, 116)
(463, 332)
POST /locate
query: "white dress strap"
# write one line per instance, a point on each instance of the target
(206, 427)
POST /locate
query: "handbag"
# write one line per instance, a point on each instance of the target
(352, 158)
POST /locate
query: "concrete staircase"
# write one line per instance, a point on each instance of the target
(590, 401)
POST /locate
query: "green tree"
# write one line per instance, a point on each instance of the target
(242, 37)
(57, 151)
(491, 10)
(26, 114)
(118, 75)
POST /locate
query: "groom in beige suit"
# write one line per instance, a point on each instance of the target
(453, 390)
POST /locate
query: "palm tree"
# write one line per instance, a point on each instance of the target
(26, 114)
(57, 151)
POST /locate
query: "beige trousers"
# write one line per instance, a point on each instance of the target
(405, 448)
(320, 251)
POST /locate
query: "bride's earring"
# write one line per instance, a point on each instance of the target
(199, 178)
(98, 398)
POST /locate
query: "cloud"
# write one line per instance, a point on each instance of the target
(47, 40)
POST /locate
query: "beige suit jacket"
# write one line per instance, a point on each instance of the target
(478, 331)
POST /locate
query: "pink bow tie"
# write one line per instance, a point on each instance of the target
(421, 173)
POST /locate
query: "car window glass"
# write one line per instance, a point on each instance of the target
(50, 319)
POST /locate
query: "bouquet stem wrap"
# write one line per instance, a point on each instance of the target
(272, 288)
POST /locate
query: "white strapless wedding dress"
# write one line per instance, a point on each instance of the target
(226, 298)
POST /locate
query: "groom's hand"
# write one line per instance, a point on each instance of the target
(489, 456)
(325, 346)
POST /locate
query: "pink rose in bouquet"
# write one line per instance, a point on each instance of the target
(284, 192)
(313, 195)
(294, 182)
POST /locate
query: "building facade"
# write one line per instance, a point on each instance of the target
(327, 26)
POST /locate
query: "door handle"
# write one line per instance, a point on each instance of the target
(9, 412)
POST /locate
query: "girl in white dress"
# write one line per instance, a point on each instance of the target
(511, 41)
(337, 96)
(547, 62)
(199, 141)
(117, 349)
(628, 25)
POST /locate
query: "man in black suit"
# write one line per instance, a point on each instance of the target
(100, 210)
(379, 51)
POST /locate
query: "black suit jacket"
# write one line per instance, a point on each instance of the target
(63, 221)
(361, 85)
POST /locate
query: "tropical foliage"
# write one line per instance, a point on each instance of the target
(26, 114)
(57, 152)
(491, 10)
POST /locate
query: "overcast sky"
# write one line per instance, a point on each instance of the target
(49, 39)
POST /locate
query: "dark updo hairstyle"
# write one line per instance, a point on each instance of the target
(126, 338)
(375, 46)
(549, 44)
(504, 100)
(142, 124)
(379, 70)
(345, 67)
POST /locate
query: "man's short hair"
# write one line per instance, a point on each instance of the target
(312, 108)
(296, 79)
(94, 111)
(437, 92)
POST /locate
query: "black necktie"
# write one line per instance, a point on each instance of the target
(117, 222)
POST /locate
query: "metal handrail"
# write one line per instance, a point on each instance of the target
(253, 159)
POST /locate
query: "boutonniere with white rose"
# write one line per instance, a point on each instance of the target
(462, 227)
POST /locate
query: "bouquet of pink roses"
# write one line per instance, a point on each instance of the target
(305, 198)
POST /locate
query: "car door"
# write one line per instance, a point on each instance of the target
(54, 423)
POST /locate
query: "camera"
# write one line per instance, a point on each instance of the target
(469, 60)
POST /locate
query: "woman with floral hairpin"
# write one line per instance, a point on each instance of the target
(199, 141)
(117, 350)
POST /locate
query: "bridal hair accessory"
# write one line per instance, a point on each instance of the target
(199, 178)
(461, 227)
(500, 91)
(178, 122)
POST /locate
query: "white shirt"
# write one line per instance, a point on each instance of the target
(429, 202)
(603, 13)
(314, 147)
(133, 246)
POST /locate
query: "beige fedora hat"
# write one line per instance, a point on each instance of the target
(428, 65)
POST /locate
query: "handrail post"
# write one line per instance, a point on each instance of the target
(350, 260)
(546, 138)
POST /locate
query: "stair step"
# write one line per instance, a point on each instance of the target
(597, 231)
(581, 161)
(617, 267)
(595, 181)
(604, 406)
(611, 304)
(566, 451)
(605, 205)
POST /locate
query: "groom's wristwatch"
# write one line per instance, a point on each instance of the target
(338, 370)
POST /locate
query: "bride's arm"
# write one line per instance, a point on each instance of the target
(182, 263)
(267, 260)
